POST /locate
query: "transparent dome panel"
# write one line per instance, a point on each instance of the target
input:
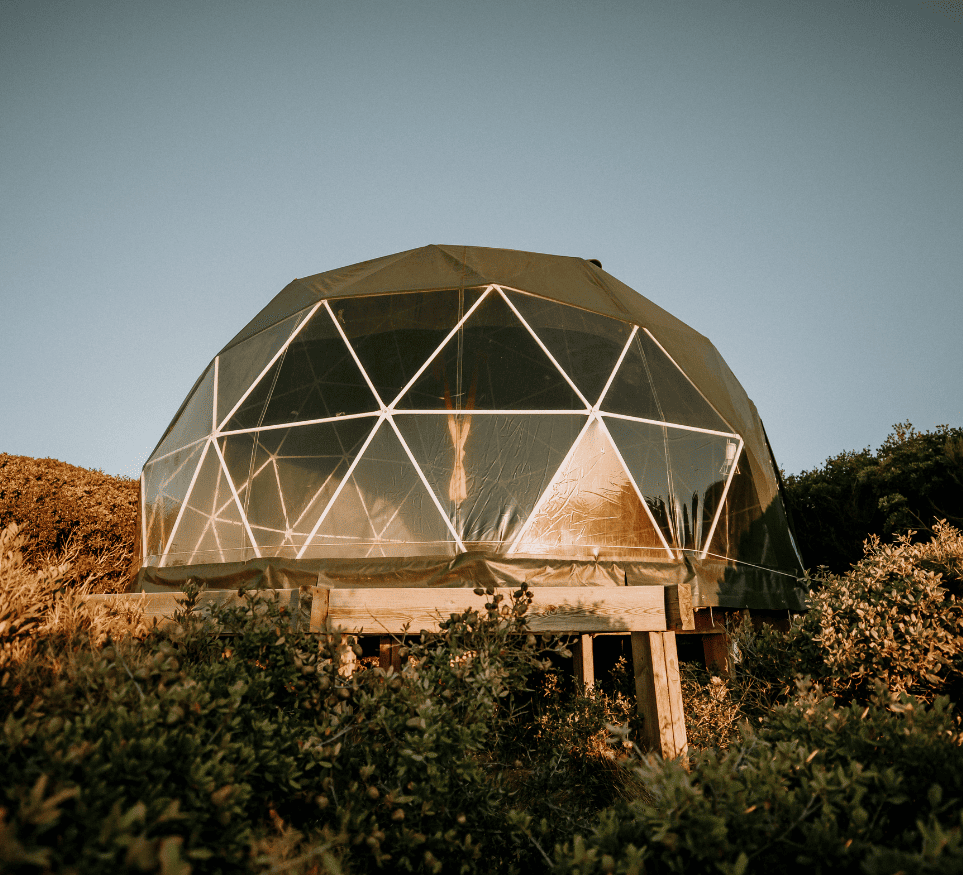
(383, 509)
(489, 470)
(394, 335)
(679, 400)
(194, 421)
(211, 529)
(591, 504)
(491, 363)
(682, 473)
(166, 482)
(315, 378)
(585, 344)
(290, 474)
(241, 365)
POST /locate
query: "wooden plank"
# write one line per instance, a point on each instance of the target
(163, 605)
(678, 607)
(583, 656)
(389, 653)
(658, 688)
(554, 609)
(319, 608)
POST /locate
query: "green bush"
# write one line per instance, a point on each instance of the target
(90, 516)
(819, 789)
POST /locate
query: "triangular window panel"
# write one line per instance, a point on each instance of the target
(592, 506)
(165, 484)
(295, 472)
(240, 366)
(223, 537)
(491, 363)
(488, 470)
(316, 378)
(190, 544)
(631, 392)
(679, 401)
(195, 419)
(384, 509)
(394, 335)
(585, 344)
(681, 473)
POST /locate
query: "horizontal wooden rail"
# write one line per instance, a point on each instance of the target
(390, 611)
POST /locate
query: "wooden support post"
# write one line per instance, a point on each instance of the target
(389, 653)
(584, 658)
(659, 691)
(715, 647)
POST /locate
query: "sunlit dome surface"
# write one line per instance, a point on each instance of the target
(455, 400)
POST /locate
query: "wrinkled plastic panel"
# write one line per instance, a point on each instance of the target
(492, 363)
(586, 345)
(394, 335)
(489, 471)
(384, 509)
(240, 366)
(195, 421)
(316, 378)
(165, 485)
(295, 473)
(681, 473)
(592, 504)
(679, 400)
(212, 509)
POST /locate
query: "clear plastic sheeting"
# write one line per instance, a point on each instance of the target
(489, 470)
(394, 335)
(241, 365)
(586, 345)
(195, 420)
(383, 509)
(484, 413)
(682, 473)
(592, 507)
(493, 362)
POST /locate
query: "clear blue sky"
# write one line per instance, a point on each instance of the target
(785, 177)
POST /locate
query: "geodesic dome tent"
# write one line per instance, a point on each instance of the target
(450, 416)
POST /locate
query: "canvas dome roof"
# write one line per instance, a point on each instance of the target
(453, 415)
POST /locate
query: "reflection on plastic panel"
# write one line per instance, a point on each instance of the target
(488, 471)
(165, 485)
(492, 363)
(294, 474)
(315, 378)
(592, 504)
(679, 400)
(394, 335)
(585, 344)
(384, 509)
(241, 365)
(681, 473)
(195, 420)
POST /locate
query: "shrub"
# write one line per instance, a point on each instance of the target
(66, 508)
(821, 789)
(188, 748)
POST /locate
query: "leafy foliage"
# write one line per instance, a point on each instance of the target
(913, 479)
(819, 789)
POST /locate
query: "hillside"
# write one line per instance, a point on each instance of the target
(62, 508)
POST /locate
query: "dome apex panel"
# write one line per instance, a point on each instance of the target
(376, 420)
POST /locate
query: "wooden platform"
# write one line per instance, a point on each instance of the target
(650, 614)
